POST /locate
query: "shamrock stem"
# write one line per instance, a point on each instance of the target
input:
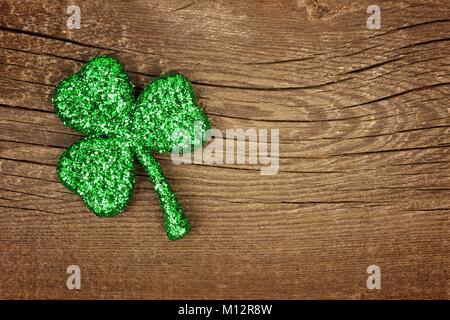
(175, 222)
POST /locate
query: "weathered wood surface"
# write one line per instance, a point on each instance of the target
(364, 175)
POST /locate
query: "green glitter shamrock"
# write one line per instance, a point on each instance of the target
(99, 102)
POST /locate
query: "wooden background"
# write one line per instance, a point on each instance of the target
(364, 175)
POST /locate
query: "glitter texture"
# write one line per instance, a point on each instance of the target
(99, 102)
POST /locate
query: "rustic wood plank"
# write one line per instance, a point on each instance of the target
(364, 173)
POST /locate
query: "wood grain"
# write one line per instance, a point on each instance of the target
(364, 174)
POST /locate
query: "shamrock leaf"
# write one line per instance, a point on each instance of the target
(101, 171)
(96, 100)
(99, 102)
(167, 106)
